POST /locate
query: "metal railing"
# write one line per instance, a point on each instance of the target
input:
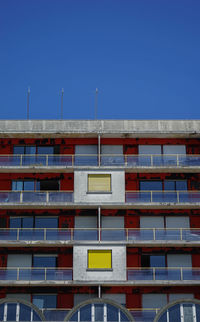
(133, 274)
(163, 196)
(36, 197)
(76, 160)
(128, 235)
(163, 274)
(35, 274)
(134, 197)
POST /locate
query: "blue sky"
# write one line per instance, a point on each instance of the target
(142, 55)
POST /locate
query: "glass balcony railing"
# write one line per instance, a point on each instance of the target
(163, 274)
(140, 315)
(128, 235)
(133, 274)
(21, 197)
(132, 197)
(116, 160)
(162, 197)
(35, 274)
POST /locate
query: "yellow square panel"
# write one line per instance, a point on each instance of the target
(100, 259)
(99, 182)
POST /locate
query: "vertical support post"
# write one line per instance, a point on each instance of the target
(45, 234)
(21, 197)
(17, 234)
(99, 150)
(181, 268)
(99, 224)
(18, 274)
(99, 291)
(47, 160)
(21, 156)
(154, 233)
(177, 160)
(154, 273)
(181, 231)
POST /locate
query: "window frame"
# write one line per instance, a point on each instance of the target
(100, 268)
(100, 191)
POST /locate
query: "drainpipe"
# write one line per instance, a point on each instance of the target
(99, 291)
(99, 224)
(99, 150)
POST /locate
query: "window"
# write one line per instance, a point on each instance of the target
(15, 310)
(151, 185)
(21, 222)
(99, 182)
(153, 261)
(162, 149)
(99, 259)
(175, 185)
(32, 185)
(44, 301)
(45, 261)
(33, 149)
(154, 185)
(31, 222)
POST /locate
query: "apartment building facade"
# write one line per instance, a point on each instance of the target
(100, 220)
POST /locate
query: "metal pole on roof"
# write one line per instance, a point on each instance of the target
(28, 101)
(62, 94)
(96, 104)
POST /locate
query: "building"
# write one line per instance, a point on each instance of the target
(100, 220)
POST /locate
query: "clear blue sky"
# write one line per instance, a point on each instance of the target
(143, 55)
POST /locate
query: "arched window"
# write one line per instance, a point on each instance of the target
(19, 310)
(101, 310)
(180, 311)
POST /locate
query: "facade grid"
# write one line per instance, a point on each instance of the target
(100, 220)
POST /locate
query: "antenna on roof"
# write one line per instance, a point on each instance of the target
(62, 94)
(96, 104)
(28, 101)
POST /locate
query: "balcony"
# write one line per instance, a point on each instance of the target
(156, 276)
(65, 199)
(131, 163)
(148, 237)
(140, 315)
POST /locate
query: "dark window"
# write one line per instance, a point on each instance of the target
(150, 185)
(21, 222)
(175, 184)
(32, 149)
(153, 261)
(49, 185)
(46, 222)
(45, 300)
(44, 261)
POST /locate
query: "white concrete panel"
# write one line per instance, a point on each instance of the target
(81, 194)
(78, 298)
(19, 260)
(154, 300)
(174, 297)
(179, 260)
(119, 298)
(86, 149)
(174, 149)
(112, 149)
(151, 222)
(85, 222)
(177, 222)
(80, 264)
(150, 149)
(112, 222)
(19, 296)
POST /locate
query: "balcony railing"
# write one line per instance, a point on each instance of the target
(163, 274)
(139, 314)
(128, 235)
(133, 274)
(36, 197)
(36, 274)
(131, 197)
(162, 197)
(118, 160)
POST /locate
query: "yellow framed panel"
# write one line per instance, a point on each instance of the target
(99, 259)
(99, 182)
